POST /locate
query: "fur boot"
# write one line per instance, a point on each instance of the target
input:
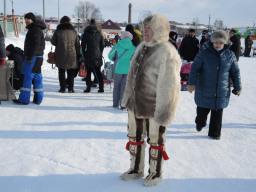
(137, 158)
(155, 167)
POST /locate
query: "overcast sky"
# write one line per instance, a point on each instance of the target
(234, 13)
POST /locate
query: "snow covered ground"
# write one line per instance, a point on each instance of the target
(75, 142)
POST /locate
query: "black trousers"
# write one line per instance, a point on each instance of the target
(215, 120)
(70, 78)
(247, 51)
(98, 76)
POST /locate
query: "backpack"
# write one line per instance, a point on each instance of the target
(108, 71)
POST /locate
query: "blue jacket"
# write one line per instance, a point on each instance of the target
(210, 73)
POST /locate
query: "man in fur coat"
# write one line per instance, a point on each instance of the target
(151, 97)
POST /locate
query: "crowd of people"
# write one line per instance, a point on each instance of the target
(147, 64)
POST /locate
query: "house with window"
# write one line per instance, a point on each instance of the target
(109, 27)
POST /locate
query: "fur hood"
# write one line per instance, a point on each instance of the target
(64, 26)
(161, 27)
(91, 28)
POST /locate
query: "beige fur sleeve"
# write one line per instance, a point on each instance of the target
(168, 87)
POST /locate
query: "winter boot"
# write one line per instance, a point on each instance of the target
(87, 90)
(137, 157)
(156, 157)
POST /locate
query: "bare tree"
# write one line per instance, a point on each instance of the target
(144, 14)
(218, 24)
(86, 10)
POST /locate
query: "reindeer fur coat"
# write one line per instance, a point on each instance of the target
(153, 83)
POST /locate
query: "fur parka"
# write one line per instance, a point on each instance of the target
(67, 51)
(153, 83)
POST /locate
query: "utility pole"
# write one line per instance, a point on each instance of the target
(12, 8)
(58, 11)
(5, 20)
(209, 21)
(43, 12)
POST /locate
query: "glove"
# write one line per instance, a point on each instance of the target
(191, 88)
(238, 93)
(2, 61)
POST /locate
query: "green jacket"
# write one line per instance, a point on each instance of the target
(123, 64)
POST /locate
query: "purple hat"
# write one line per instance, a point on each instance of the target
(126, 34)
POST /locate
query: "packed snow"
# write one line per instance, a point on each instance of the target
(75, 142)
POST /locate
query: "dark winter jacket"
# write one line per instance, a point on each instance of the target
(17, 55)
(211, 72)
(189, 48)
(34, 43)
(173, 42)
(236, 46)
(92, 46)
(248, 42)
(2, 44)
(67, 51)
(202, 41)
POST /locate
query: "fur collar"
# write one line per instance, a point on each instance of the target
(91, 28)
(64, 26)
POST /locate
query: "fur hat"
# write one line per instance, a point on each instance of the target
(191, 30)
(65, 19)
(30, 16)
(219, 36)
(126, 34)
(10, 47)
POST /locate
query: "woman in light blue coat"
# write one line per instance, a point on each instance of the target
(121, 54)
(210, 76)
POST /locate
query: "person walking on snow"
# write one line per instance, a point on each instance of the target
(31, 69)
(210, 75)
(151, 97)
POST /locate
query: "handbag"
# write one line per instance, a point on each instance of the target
(51, 58)
(82, 71)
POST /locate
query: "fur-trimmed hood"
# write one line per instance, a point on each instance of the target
(161, 27)
(64, 26)
(91, 28)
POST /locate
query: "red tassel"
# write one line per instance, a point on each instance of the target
(127, 146)
(165, 156)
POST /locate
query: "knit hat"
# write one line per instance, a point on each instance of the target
(191, 30)
(138, 27)
(126, 34)
(129, 28)
(30, 16)
(219, 36)
(171, 34)
(65, 19)
(92, 22)
(10, 47)
(205, 32)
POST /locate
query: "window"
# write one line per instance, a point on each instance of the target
(109, 23)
